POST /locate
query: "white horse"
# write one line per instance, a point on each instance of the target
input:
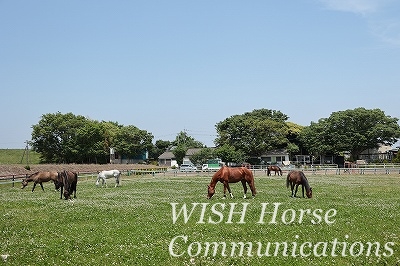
(107, 174)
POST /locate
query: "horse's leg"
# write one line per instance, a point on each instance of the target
(41, 185)
(224, 197)
(302, 190)
(295, 192)
(34, 185)
(229, 189)
(244, 188)
(292, 188)
(61, 193)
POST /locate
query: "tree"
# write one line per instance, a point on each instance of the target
(202, 156)
(131, 141)
(183, 139)
(69, 138)
(254, 132)
(351, 130)
(54, 137)
(182, 143)
(228, 153)
(158, 148)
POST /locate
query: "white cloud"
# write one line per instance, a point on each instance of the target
(363, 7)
(376, 14)
(387, 30)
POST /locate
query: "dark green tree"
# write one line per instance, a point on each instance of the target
(182, 143)
(254, 132)
(55, 137)
(351, 130)
(131, 141)
(228, 153)
(158, 148)
(202, 156)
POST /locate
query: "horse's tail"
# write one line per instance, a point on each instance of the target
(288, 180)
(251, 178)
(98, 179)
(118, 178)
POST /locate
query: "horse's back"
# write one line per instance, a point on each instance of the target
(237, 174)
(45, 176)
(295, 176)
(109, 173)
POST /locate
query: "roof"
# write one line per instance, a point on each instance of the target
(167, 155)
(275, 152)
(192, 151)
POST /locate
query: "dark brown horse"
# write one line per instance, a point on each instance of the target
(39, 178)
(274, 168)
(296, 178)
(67, 181)
(228, 175)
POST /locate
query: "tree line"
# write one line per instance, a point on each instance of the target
(69, 138)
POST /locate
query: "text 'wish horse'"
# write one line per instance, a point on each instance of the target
(227, 175)
(104, 175)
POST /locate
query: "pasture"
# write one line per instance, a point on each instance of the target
(135, 224)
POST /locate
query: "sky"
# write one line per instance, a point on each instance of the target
(173, 66)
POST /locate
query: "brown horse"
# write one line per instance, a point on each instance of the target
(296, 178)
(228, 175)
(67, 180)
(39, 178)
(274, 168)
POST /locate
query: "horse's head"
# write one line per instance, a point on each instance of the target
(211, 192)
(57, 184)
(67, 194)
(24, 183)
(309, 193)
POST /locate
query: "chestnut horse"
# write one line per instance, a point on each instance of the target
(67, 180)
(275, 168)
(39, 178)
(228, 175)
(296, 178)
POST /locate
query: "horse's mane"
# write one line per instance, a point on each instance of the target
(304, 180)
(33, 174)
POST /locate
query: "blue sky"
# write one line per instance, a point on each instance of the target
(170, 66)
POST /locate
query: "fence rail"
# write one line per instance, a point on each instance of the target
(376, 169)
(13, 179)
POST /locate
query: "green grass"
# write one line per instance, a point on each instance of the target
(18, 156)
(133, 225)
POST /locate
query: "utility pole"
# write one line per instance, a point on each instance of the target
(27, 153)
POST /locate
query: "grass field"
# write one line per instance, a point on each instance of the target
(18, 156)
(135, 224)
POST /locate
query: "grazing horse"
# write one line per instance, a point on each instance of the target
(275, 168)
(67, 180)
(296, 178)
(103, 175)
(228, 175)
(39, 178)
